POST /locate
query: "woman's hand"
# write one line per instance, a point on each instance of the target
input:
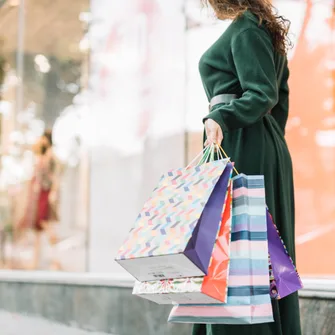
(213, 132)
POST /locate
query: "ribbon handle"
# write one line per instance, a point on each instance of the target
(220, 149)
(208, 155)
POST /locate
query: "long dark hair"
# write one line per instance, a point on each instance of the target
(48, 135)
(276, 24)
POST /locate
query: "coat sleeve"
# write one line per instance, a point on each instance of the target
(280, 112)
(253, 58)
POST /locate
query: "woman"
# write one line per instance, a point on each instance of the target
(42, 181)
(245, 76)
(41, 203)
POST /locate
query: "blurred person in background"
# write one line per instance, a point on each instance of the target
(43, 198)
(245, 76)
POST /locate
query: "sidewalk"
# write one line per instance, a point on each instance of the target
(15, 324)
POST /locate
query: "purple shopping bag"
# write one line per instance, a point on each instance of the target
(200, 247)
(284, 278)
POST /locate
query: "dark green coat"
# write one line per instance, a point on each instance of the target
(243, 62)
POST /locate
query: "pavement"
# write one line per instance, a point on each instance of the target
(16, 324)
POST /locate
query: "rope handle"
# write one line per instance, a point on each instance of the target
(208, 155)
(202, 153)
(225, 154)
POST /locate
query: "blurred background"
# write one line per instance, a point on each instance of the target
(117, 83)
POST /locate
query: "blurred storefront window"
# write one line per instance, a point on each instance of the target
(117, 82)
(137, 88)
(8, 83)
(44, 178)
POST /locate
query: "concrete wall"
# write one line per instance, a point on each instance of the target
(104, 309)
(97, 303)
(318, 316)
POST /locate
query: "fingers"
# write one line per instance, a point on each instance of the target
(213, 132)
(219, 136)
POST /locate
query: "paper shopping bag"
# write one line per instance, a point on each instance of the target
(174, 235)
(196, 290)
(248, 283)
(284, 278)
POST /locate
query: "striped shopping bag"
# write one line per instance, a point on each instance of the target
(248, 300)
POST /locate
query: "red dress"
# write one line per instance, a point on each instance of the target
(37, 211)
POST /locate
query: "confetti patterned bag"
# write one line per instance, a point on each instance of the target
(195, 290)
(174, 235)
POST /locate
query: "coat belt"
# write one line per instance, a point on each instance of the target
(223, 99)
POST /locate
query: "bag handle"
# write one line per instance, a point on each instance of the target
(202, 152)
(221, 151)
(208, 155)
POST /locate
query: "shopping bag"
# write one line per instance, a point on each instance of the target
(196, 290)
(284, 278)
(174, 234)
(248, 284)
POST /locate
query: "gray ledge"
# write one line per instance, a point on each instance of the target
(81, 279)
(323, 288)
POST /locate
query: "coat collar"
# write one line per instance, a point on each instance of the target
(250, 15)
